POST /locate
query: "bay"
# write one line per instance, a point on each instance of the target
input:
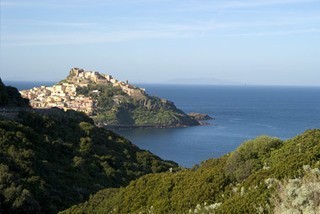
(241, 113)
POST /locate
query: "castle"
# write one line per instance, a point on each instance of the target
(81, 75)
(82, 78)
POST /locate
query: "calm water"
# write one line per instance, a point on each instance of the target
(27, 84)
(240, 112)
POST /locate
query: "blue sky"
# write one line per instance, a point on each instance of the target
(268, 42)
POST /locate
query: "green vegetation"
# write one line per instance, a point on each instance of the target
(247, 180)
(114, 107)
(103, 94)
(53, 159)
(250, 157)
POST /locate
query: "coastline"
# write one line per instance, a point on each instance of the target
(201, 122)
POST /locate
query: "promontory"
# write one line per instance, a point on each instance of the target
(108, 101)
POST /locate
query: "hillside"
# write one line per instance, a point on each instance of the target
(108, 102)
(51, 159)
(10, 96)
(264, 175)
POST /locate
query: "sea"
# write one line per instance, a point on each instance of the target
(240, 113)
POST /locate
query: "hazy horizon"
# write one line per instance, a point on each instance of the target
(254, 42)
(141, 84)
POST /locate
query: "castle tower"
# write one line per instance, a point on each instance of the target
(75, 71)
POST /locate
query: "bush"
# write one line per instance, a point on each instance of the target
(250, 156)
(208, 188)
(300, 195)
(51, 161)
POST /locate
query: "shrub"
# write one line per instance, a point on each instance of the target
(250, 156)
(300, 195)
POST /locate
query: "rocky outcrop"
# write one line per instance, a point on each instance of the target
(199, 116)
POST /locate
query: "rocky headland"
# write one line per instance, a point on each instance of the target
(109, 102)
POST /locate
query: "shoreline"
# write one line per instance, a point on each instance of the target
(118, 127)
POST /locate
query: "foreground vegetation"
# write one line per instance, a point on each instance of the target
(51, 159)
(10, 97)
(49, 162)
(255, 178)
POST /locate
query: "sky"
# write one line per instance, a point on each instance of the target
(263, 42)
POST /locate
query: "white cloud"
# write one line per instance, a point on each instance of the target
(226, 4)
(85, 38)
(273, 33)
(72, 3)
(155, 32)
(81, 31)
(106, 34)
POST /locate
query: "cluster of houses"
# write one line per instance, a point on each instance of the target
(64, 95)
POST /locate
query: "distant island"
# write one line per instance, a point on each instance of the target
(109, 102)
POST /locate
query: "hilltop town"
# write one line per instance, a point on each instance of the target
(108, 101)
(64, 94)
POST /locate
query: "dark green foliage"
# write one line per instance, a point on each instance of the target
(50, 160)
(10, 97)
(250, 156)
(104, 96)
(243, 181)
(3, 94)
(297, 152)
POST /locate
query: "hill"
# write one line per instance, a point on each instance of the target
(108, 101)
(10, 97)
(263, 175)
(51, 159)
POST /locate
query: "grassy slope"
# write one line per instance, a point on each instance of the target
(244, 181)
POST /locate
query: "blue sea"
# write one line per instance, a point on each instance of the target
(240, 113)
